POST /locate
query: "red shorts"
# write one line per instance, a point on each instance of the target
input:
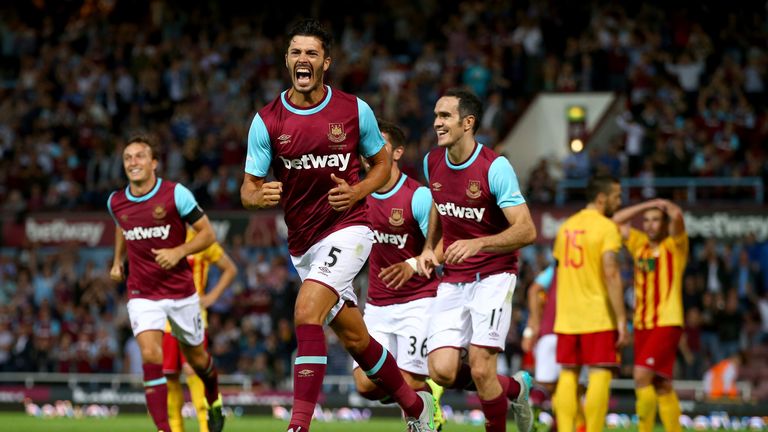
(588, 349)
(173, 359)
(656, 348)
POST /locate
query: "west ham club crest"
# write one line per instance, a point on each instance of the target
(473, 189)
(396, 217)
(336, 132)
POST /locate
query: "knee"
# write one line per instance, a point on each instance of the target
(442, 374)
(152, 354)
(482, 371)
(305, 313)
(197, 358)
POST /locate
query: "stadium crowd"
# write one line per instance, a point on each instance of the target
(79, 77)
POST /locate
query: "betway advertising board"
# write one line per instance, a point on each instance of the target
(266, 228)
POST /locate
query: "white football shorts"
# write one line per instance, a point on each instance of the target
(477, 313)
(402, 330)
(335, 261)
(545, 352)
(183, 314)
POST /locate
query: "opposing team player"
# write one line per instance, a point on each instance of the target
(397, 308)
(173, 361)
(660, 253)
(312, 135)
(590, 318)
(483, 220)
(151, 216)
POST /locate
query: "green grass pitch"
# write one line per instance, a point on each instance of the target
(19, 422)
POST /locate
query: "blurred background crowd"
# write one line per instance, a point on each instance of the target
(78, 77)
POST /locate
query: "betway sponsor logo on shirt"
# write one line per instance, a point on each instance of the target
(393, 239)
(145, 233)
(451, 209)
(309, 161)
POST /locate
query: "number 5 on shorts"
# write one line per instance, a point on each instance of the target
(334, 258)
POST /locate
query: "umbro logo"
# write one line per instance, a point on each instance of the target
(306, 373)
(436, 186)
(284, 139)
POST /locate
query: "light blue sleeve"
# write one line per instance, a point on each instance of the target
(426, 167)
(421, 204)
(259, 155)
(545, 277)
(109, 207)
(503, 183)
(371, 140)
(185, 201)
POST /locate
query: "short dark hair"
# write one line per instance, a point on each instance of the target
(396, 135)
(600, 184)
(149, 142)
(469, 104)
(312, 27)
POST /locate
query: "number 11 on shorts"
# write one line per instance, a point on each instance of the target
(493, 317)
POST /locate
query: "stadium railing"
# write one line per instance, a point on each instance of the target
(691, 184)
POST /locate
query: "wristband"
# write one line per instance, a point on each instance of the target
(527, 332)
(412, 262)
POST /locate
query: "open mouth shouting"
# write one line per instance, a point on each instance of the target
(303, 76)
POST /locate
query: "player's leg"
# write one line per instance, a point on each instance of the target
(669, 405)
(187, 325)
(642, 373)
(599, 353)
(490, 304)
(171, 370)
(377, 363)
(566, 399)
(664, 342)
(197, 394)
(367, 388)
(547, 371)
(148, 321)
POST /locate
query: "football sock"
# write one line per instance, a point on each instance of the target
(669, 411)
(565, 402)
(645, 407)
(210, 379)
(381, 368)
(197, 394)
(510, 387)
(495, 411)
(156, 392)
(308, 374)
(376, 394)
(596, 400)
(175, 402)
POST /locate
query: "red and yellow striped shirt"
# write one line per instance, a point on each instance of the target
(658, 279)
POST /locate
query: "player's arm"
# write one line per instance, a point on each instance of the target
(255, 192)
(228, 273)
(192, 214)
(504, 186)
(535, 306)
(345, 195)
(676, 219)
(612, 278)
(428, 260)
(117, 272)
(625, 215)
